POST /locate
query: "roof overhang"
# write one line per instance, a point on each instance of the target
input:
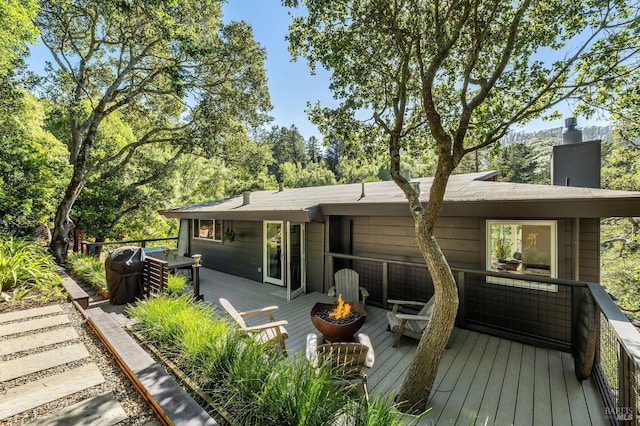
(313, 214)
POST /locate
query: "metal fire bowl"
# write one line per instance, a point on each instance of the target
(337, 332)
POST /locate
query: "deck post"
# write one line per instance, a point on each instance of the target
(196, 282)
(385, 283)
(461, 298)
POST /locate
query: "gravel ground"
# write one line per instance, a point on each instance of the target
(136, 408)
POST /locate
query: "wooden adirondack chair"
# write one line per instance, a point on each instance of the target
(408, 324)
(347, 360)
(270, 332)
(347, 284)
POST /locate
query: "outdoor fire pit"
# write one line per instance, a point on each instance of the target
(341, 328)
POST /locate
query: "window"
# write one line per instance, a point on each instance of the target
(210, 229)
(522, 248)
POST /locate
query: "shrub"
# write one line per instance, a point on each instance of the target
(25, 267)
(89, 269)
(177, 284)
(256, 385)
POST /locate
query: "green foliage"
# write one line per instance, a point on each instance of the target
(89, 269)
(177, 284)
(453, 78)
(167, 56)
(620, 237)
(256, 385)
(502, 248)
(25, 267)
(299, 176)
(294, 393)
(524, 162)
(16, 31)
(287, 146)
(31, 167)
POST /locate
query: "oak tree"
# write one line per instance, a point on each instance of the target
(186, 80)
(452, 77)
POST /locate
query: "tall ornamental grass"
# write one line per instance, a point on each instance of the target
(89, 269)
(177, 284)
(27, 269)
(254, 383)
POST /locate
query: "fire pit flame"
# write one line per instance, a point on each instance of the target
(342, 310)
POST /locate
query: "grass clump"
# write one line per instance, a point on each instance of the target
(256, 384)
(27, 271)
(89, 268)
(177, 284)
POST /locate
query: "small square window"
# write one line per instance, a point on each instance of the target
(522, 248)
(210, 229)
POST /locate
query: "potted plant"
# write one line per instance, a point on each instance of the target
(229, 236)
(502, 249)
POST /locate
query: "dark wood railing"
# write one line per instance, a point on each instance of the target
(93, 248)
(531, 309)
(155, 276)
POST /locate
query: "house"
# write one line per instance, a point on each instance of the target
(525, 258)
(297, 238)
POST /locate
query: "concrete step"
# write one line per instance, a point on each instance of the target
(41, 361)
(32, 325)
(101, 410)
(34, 394)
(30, 313)
(36, 340)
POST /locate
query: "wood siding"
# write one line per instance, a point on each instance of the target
(242, 257)
(393, 238)
(590, 250)
(540, 315)
(315, 256)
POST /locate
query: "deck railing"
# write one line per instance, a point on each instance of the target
(534, 310)
(93, 248)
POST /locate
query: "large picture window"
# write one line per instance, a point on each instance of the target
(209, 229)
(522, 248)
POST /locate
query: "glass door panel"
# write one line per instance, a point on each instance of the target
(273, 257)
(295, 260)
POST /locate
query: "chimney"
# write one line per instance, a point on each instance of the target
(575, 163)
(571, 135)
(246, 198)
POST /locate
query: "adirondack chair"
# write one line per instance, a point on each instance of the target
(347, 284)
(347, 360)
(408, 324)
(270, 332)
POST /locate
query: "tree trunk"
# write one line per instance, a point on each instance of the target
(421, 375)
(63, 225)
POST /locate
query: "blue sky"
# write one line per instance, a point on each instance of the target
(291, 85)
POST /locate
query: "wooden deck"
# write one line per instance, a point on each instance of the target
(481, 378)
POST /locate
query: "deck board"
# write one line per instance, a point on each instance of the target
(542, 392)
(480, 377)
(509, 392)
(493, 391)
(526, 384)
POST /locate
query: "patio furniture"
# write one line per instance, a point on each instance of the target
(412, 325)
(347, 284)
(267, 333)
(347, 360)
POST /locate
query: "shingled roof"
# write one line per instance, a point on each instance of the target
(472, 194)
